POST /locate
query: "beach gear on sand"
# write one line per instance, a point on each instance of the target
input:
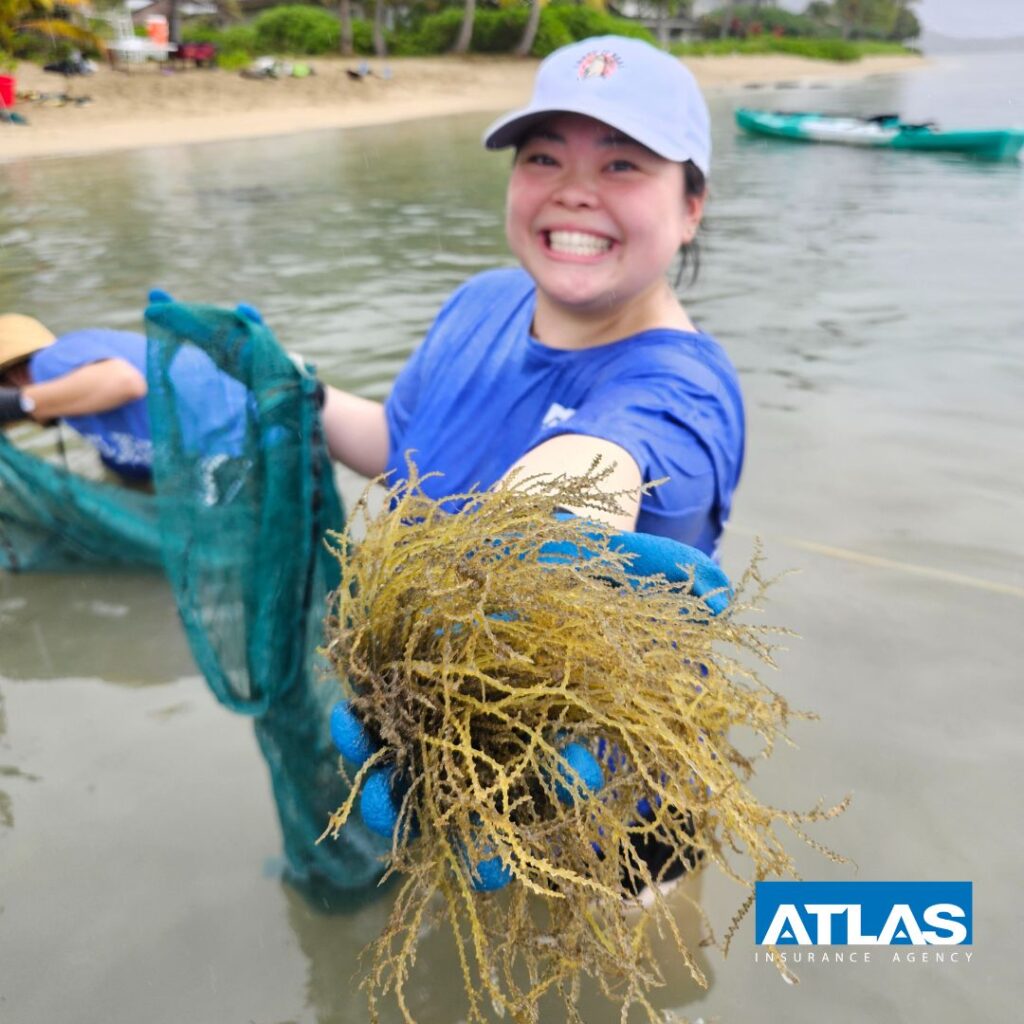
(884, 131)
(272, 67)
(626, 83)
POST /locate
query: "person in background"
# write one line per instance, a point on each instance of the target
(94, 379)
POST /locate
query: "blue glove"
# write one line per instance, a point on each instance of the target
(652, 556)
(242, 309)
(379, 799)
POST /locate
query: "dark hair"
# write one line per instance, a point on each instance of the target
(695, 184)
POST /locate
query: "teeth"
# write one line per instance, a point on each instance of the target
(576, 243)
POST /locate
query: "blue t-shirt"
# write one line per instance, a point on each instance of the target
(480, 392)
(211, 405)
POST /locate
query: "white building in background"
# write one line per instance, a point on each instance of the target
(675, 27)
(140, 10)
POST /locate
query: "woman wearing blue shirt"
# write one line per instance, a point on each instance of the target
(586, 351)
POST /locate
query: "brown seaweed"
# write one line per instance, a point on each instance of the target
(474, 660)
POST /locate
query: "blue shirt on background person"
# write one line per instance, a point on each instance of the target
(211, 405)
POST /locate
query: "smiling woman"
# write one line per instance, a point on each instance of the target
(596, 219)
(585, 353)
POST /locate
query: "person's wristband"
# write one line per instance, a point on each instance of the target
(15, 405)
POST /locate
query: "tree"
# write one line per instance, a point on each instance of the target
(906, 25)
(173, 22)
(819, 10)
(345, 16)
(525, 45)
(54, 19)
(380, 46)
(727, 9)
(466, 30)
(866, 17)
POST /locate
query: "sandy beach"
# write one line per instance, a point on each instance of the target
(150, 106)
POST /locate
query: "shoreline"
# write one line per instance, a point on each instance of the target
(148, 107)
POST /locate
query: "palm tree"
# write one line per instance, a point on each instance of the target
(40, 17)
(345, 16)
(905, 24)
(727, 7)
(525, 44)
(466, 30)
(380, 46)
(860, 16)
(173, 22)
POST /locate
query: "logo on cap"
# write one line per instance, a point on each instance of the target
(599, 64)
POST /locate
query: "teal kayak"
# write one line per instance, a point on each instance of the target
(886, 131)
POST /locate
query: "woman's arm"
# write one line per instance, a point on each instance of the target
(98, 387)
(357, 431)
(573, 455)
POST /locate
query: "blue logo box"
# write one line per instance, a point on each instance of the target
(863, 913)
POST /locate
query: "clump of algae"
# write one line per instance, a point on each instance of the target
(475, 659)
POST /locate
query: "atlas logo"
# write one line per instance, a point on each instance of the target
(863, 913)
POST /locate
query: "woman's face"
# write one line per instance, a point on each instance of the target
(594, 217)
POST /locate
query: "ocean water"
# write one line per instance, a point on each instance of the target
(874, 305)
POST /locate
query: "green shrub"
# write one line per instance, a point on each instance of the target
(436, 33)
(362, 36)
(32, 47)
(815, 49)
(821, 49)
(233, 60)
(297, 29)
(552, 33)
(881, 48)
(498, 31)
(198, 30)
(758, 20)
(583, 22)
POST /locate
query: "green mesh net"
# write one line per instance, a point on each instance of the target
(53, 519)
(245, 494)
(243, 516)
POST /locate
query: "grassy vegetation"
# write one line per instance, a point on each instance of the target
(815, 49)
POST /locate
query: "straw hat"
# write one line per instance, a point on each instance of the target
(20, 336)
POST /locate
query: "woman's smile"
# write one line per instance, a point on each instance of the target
(573, 244)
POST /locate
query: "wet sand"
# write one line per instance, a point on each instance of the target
(150, 106)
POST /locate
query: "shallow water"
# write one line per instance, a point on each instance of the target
(873, 304)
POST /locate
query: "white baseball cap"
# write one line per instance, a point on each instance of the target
(628, 84)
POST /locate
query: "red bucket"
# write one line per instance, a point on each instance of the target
(6, 91)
